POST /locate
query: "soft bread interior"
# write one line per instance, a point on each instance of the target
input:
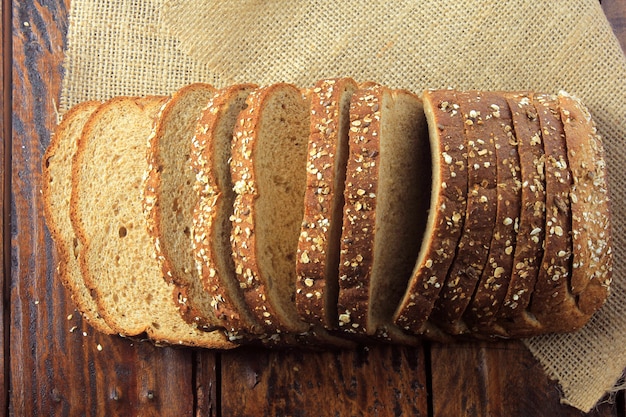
(404, 185)
(280, 165)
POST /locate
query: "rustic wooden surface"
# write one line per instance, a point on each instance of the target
(54, 364)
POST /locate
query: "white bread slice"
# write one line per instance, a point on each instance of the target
(268, 170)
(169, 200)
(317, 259)
(590, 201)
(386, 204)
(107, 213)
(56, 190)
(210, 158)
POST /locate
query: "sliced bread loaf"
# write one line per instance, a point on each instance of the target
(210, 158)
(107, 213)
(386, 203)
(268, 170)
(169, 200)
(446, 214)
(56, 190)
(589, 199)
(317, 258)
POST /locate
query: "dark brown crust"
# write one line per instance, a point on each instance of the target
(480, 216)
(529, 249)
(315, 248)
(446, 214)
(210, 196)
(494, 280)
(193, 305)
(589, 198)
(243, 238)
(78, 292)
(552, 303)
(357, 239)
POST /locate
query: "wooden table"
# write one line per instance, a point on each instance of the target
(54, 364)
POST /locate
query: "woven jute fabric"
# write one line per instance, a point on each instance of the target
(141, 47)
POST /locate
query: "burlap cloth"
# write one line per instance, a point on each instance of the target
(156, 46)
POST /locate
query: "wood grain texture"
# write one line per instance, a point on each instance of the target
(5, 123)
(375, 381)
(496, 379)
(58, 365)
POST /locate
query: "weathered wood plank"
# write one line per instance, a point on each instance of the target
(375, 381)
(5, 123)
(615, 10)
(496, 379)
(55, 368)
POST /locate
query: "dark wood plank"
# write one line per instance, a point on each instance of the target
(5, 128)
(615, 11)
(58, 365)
(375, 381)
(499, 379)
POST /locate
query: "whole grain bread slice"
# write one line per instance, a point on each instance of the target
(446, 214)
(210, 158)
(386, 204)
(268, 169)
(590, 201)
(107, 213)
(169, 200)
(480, 216)
(514, 312)
(494, 281)
(317, 258)
(56, 191)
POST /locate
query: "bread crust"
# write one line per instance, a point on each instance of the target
(446, 213)
(495, 278)
(317, 257)
(244, 240)
(480, 215)
(358, 232)
(552, 302)
(55, 176)
(590, 206)
(529, 249)
(193, 302)
(212, 196)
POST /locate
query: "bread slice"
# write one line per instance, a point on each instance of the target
(107, 213)
(169, 200)
(589, 199)
(473, 249)
(446, 214)
(317, 258)
(268, 170)
(210, 158)
(493, 284)
(56, 191)
(386, 203)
